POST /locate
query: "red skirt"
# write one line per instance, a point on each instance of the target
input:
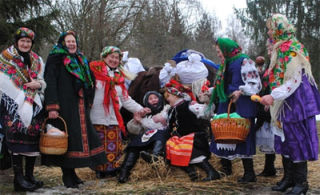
(179, 150)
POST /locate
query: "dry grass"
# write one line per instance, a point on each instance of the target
(159, 178)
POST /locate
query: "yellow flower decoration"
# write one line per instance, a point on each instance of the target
(111, 135)
(292, 53)
(111, 157)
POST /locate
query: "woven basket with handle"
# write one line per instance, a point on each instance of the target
(230, 130)
(54, 144)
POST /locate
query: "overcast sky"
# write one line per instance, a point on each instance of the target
(222, 8)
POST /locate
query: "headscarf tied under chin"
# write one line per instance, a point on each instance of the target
(288, 56)
(154, 108)
(286, 50)
(77, 64)
(231, 52)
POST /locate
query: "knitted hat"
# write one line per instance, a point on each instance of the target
(24, 32)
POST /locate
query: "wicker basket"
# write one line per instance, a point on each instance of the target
(54, 144)
(230, 130)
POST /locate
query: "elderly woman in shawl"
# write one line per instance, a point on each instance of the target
(110, 95)
(237, 79)
(294, 101)
(21, 95)
(69, 93)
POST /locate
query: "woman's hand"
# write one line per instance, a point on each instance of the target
(267, 100)
(34, 84)
(53, 114)
(235, 95)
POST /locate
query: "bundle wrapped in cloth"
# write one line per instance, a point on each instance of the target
(189, 65)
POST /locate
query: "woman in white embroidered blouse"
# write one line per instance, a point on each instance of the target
(110, 95)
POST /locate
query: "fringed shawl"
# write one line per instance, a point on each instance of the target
(288, 56)
(21, 102)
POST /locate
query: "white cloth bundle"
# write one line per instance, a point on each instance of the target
(192, 69)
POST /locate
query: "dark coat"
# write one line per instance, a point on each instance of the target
(65, 90)
(183, 122)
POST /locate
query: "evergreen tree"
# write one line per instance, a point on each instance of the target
(304, 14)
(32, 14)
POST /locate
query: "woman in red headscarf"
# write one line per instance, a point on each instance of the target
(110, 95)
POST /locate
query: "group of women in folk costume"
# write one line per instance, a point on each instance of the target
(88, 96)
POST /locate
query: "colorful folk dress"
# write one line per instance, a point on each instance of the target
(110, 95)
(20, 107)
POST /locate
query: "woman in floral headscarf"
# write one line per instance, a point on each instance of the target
(294, 101)
(237, 79)
(21, 96)
(69, 93)
(110, 95)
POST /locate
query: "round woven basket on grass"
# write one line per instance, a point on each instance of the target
(54, 144)
(230, 130)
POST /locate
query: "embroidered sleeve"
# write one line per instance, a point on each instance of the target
(166, 73)
(287, 88)
(202, 110)
(52, 107)
(250, 77)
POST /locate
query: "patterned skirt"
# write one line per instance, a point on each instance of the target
(110, 137)
(179, 150)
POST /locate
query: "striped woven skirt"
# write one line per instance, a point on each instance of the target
(179, 149)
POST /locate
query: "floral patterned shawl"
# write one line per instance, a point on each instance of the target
(288, 56)
(77, 64)
(21, 102)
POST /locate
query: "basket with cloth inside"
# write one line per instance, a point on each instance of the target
(230, 128)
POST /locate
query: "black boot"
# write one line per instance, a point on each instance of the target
(191, 171)
(212, 174)
(156, 152)
(269, 169)
(287, 180)
(30, 161)
(157, 148)
(100, 174)
(75, 177)
(19, 182)
(128, 163)
(67, 178)
(249, 175)
(226, 166)
(300, 172)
